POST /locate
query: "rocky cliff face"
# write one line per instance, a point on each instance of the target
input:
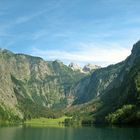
(90, 68)
(96, 83)
(104, 79)
(123, 95)
(75, 67)
(112, 94)
(26, 78)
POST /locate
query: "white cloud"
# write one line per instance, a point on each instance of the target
(87, 53)
(39, 34)
(50, 7)
(27, 18)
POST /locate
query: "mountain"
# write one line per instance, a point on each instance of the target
(90, 67)
(95, 84)
(30, 82)
(32, 87)
(86, 69)
(75, 67)
(111, 94)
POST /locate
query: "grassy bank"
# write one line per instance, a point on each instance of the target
(47, 121)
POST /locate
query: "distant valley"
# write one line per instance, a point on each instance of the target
(31, 87)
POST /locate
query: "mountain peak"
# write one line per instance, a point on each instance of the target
(90, 67)
(136, 48)
(75, 67)
(5, 51)
(58, 61)
(87, 68)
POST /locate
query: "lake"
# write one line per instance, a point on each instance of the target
(69, 133)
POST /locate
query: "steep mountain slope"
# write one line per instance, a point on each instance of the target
(125, 92)
(28, 81)
(113, 93)
(95, 84)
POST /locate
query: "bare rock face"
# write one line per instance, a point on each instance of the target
(90, 67)
(75, 67)
(31, 80)
(86, 69)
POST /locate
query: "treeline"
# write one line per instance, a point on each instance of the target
(31, 110)
(125, 115)
(7, 116)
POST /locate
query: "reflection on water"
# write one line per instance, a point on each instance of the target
(85, 133)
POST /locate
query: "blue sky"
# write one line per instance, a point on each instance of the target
(82, 31)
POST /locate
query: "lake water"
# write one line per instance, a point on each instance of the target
(85, 133)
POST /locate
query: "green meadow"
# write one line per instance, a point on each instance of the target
(59, 122)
